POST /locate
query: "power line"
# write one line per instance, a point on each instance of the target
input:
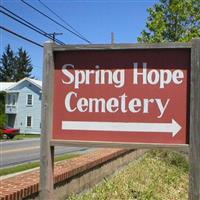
(55, 21)
(29, 25)
(44, 34)
(64, 21)
(20, 36)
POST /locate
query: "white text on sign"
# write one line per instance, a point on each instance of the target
(159, 78)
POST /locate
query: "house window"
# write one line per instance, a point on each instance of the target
(9, 99)
(13, 99)
(29, 121)
(29, 100)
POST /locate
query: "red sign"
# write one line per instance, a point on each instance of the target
(122, 95)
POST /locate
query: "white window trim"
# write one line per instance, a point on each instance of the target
(31, 121)
(27, 99)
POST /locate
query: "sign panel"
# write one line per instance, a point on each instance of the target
(126, 95)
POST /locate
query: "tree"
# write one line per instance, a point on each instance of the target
(14, 67)
(172, 20)
(23, 65)
(7, 72)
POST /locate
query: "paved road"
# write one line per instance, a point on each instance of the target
(21, 151)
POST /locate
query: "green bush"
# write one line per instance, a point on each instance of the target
(2, 120)
(2, 110)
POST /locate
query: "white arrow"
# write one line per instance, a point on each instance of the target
(172, 127)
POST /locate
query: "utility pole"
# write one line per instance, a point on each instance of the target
(112, 37)
(54, 35)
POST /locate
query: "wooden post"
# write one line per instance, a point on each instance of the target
(112, 37)
(46, 150)
(194, 190)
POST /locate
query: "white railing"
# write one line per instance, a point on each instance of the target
(11, 109)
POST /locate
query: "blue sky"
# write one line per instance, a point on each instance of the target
(95, 19)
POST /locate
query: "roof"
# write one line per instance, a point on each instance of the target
(37, 83)
(5, 85)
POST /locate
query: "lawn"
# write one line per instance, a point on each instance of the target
(158, 175)
(31, 165)
(26, 136)
(22, 137)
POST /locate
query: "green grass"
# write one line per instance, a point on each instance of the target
(26, 136)
(158, 175)
(31, 165)
(22, 137)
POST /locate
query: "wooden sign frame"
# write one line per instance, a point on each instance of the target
(47, 143)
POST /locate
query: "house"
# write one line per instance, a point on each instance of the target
(23, 105)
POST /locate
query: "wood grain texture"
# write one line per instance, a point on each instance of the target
(126, 145)
(194, 193)
(46, 151)
(121, 46)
